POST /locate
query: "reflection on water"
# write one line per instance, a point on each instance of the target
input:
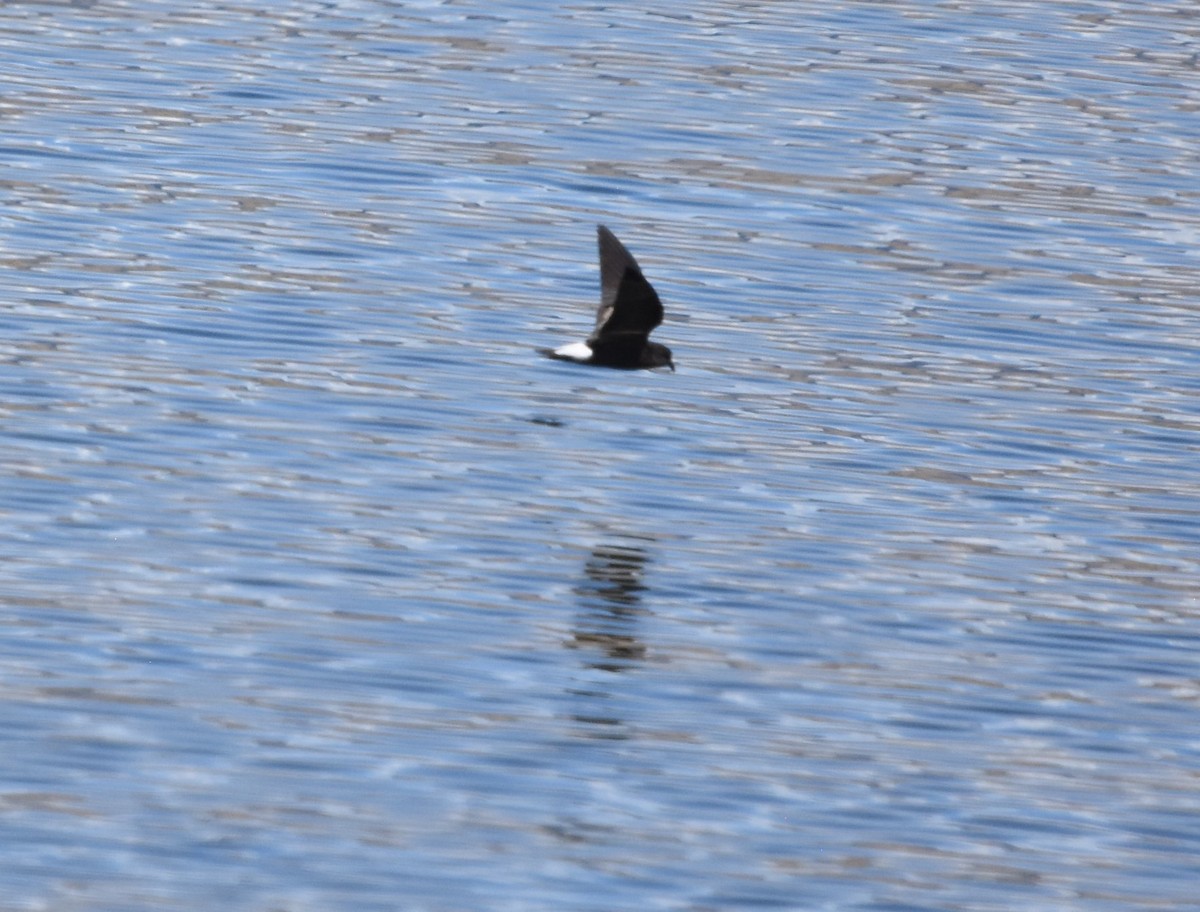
(610, 602)
(605, 632)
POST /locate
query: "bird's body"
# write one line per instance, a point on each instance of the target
(629, 311)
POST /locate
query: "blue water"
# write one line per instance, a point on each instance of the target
(322, 590)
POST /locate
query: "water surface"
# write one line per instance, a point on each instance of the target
(323, 591)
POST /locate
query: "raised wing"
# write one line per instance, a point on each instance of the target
(629, 304)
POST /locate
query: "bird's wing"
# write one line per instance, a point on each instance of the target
(629, 304)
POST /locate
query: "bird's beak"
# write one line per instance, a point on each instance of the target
(671, 364)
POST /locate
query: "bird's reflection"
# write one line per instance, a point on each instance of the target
(610, 604)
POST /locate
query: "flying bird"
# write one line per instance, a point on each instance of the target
(629, 311)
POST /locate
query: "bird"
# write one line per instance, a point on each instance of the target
(629, 310)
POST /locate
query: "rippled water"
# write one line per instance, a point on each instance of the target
(323, 591)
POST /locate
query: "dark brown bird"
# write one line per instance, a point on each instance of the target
(629, 311)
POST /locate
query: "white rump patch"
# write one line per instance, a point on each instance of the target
(576, 351)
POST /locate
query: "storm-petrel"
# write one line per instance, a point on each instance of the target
(629, 310)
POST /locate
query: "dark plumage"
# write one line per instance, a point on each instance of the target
(629, 311)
